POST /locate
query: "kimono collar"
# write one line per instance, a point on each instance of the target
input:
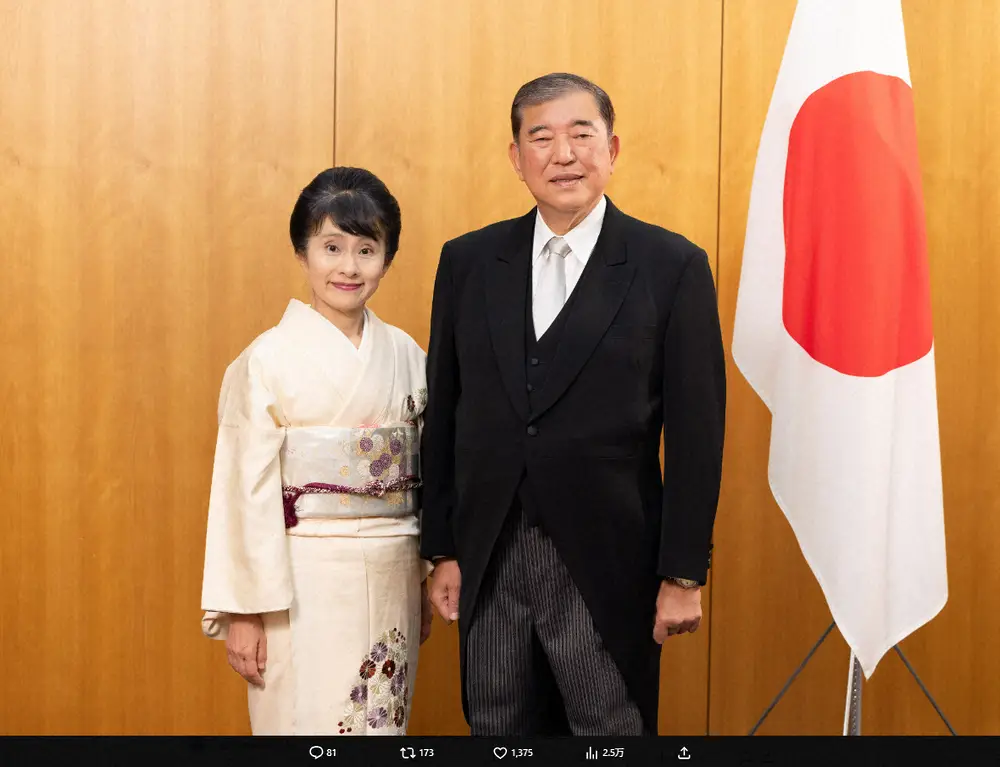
(301, 318)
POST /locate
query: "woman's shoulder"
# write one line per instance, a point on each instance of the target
(274, 344)
(260, 349)
(404, 342)
(253, 361)
(248, 377)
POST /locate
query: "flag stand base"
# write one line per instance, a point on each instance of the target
(852, 713)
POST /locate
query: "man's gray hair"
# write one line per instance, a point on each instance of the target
(553, 86)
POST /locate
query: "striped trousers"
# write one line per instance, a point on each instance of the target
(535, 661)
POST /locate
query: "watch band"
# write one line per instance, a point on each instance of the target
(684, 583)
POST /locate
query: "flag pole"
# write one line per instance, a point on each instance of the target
(852, 708)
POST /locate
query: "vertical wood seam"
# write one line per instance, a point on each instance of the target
(336, 73)
(718, 286)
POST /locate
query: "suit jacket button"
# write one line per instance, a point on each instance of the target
(532, 430)
(534, 360)
(531, 388)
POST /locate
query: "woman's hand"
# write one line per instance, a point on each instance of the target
(426, 613)
(246, 646)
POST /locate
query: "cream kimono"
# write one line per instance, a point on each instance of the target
(313, 524)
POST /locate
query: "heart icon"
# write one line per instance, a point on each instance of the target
(499, 752)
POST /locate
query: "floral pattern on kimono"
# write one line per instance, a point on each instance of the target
(378, 700)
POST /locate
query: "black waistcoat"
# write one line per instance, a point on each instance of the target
(538, 356)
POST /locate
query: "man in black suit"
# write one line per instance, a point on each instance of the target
(562, 344)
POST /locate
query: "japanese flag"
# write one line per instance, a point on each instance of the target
(833, 322)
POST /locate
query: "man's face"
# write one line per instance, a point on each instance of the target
(564, 154)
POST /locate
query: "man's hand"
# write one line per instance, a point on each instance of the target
(426, 613)
(678, 611)
(446, 583)
(246, 647)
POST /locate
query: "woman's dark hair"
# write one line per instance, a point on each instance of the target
(355, 200)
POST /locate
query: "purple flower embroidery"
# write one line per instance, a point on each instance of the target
(379, 465)
(380, 698)
(396, 686)
(378, 717)
(366, 444)
(395, 447)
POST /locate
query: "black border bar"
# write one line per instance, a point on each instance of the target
(510, 752)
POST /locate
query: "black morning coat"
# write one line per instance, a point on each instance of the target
(641, 354)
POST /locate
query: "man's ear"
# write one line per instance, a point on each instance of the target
(514, 152)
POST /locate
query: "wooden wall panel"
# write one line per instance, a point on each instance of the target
(150, 153)
(767, 608)
(423, 100)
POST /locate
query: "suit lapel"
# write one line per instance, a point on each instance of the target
(599, 294)
(506, 302)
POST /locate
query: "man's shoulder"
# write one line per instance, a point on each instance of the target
(658, 240)
(479, 239)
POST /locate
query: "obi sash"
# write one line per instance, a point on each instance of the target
(346, 473)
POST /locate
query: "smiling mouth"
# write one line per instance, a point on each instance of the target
(346, 285)
(566, 180)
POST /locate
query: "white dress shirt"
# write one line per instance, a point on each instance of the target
(581, 238)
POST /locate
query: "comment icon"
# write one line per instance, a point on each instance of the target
(316, 752)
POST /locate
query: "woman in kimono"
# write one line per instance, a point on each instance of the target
(312, 571)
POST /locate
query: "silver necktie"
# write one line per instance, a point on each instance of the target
(550, 293)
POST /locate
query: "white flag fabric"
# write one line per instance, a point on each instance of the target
(833, 322)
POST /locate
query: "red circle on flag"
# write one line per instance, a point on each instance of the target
(857, 288)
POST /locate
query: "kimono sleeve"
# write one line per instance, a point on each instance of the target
(247, 569)
(416, 361)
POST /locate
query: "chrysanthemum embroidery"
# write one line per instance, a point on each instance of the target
(378, 718)
(379, 697)
(380, 457)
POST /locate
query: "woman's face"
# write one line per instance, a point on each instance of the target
(343, 270)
